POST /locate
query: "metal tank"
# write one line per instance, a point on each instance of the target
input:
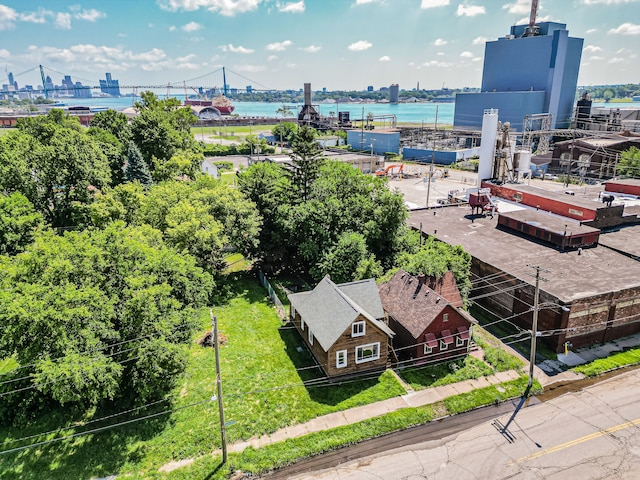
(488, 144)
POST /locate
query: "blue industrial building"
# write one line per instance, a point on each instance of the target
(376, 141)
(526, 74)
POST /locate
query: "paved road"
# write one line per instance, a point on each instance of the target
(591, 434)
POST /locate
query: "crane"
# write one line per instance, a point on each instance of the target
(532, 30)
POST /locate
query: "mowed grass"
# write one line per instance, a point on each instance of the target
(262, 374)
(438, 374)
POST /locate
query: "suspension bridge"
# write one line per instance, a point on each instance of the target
(214, 82)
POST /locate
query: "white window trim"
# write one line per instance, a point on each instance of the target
(427, 349)
(302, 323)
(443, 346)
(343, 364)
(445, 317)
(460, 342)
(310, 336)
(357, 324)
(369, 359)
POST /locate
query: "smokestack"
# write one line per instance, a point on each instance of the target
(307, 94)
(534, 10)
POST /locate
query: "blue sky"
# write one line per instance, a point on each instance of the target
(281, 44)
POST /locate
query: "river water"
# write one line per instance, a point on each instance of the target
(416, 113)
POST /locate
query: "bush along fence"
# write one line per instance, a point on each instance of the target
(272, 295)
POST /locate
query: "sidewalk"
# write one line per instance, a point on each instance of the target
(357, 414)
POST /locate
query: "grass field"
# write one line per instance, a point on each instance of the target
(262, 377)
(612, 362)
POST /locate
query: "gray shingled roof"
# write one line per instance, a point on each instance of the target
(329, 309)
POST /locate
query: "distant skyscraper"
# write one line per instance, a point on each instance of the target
(110, 86)
(526, 74)
(370, 88)
(394, 93)
(12, 82)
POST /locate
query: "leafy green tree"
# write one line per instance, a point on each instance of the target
(435, 258)
(268, 186)
(18, 223)
(57, 168)
(285, 132)
(120, 203)
(608, 95)
(307, 159)
(162, 128)
(114, 150)
(284, 110)
(342, 260)
(137, 169)
(182, 165)
(629, 163)
(114, 122)
(95, 316)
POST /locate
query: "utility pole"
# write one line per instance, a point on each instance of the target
(433, 152)
(504, 429)
(534, 324)
(216, 345)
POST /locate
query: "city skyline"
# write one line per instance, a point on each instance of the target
(274, 44)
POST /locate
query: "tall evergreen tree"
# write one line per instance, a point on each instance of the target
(137, 168)
(307, 158)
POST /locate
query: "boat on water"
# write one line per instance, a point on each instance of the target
(220, 103)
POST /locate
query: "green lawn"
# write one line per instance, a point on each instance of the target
(262, 388)
(445, 373)
(612, 362)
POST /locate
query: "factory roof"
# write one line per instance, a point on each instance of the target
(550, 222)
(572, 275)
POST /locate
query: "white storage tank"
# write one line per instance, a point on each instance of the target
(522, 160)
(488, 145)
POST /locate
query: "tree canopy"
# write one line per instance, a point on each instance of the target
(96, 315)
(629, 163)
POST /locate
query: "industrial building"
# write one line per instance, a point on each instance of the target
(532, 70)
(589, 295)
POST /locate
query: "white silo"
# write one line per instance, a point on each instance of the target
(488, 144)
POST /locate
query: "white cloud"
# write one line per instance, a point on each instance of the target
(172, 28)
(479, 40)
(90, 15)
(595, 58)
(63, 21)
(362, 2)
(188, 66)
(626, 29)
(436, 63)
(525, 20)
(279, 46)
(7, 17)
(607, 2)
(617, 60)
(466, 55)
(227, 8)
(440, 54)
(238, 49)
(440, 42)
(360, 46)
(4, 53)
(592, 30)
(40, 16)
(292, 7)
(311, 49)
(191, 27)
(519, 7)
(470, 10)
(591, 49)
(249, 68)
(476, 59)
(186, 58)
(271, 58)
(385, 58)
(434, 3)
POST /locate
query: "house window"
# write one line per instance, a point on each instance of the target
(293, 312)
(445, 317)
(310, 337)
(368, 353)
(443, 346)
(302, 323)
(357, 329)
(341, 358)
(459, 342)
(427, 349)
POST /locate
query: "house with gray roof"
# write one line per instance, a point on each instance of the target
(343, 326)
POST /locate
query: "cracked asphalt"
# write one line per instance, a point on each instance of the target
(590, 434)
